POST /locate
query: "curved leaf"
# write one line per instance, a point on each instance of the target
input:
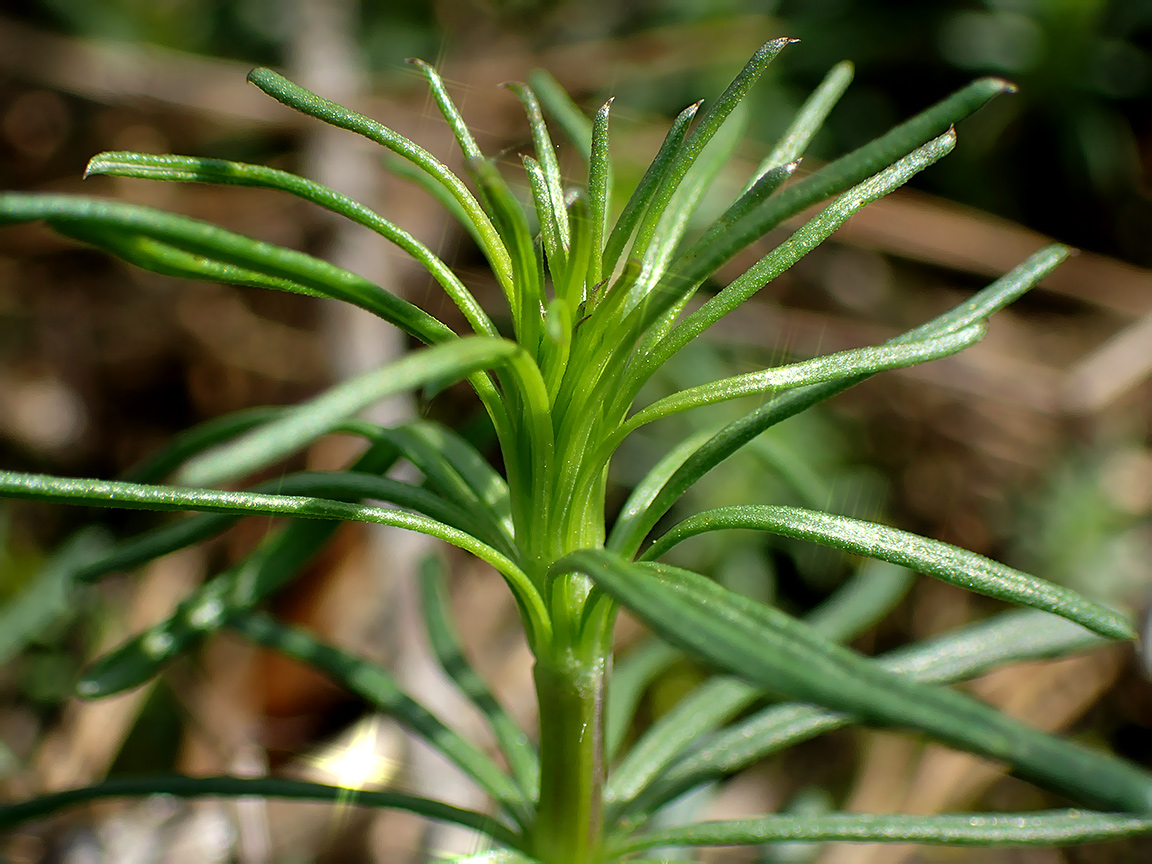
(626, 537)
(108, 493)
(305, 423)
(192, 169)
(1010, 637)
(1042, 828)
(374, 684)
(931, 557)
(306, 102)
(522, 757)
(262, 787)
(114, 223)
(783, 656)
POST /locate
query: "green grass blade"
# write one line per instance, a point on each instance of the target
(522, 758)
(783, 656)
(118, 221)
(546, 156)
(1036, 828)
(294, 96)
(760, 191)
(735, 435)
(303, 424)
(108, 493)
(931, 557)
(630, 678)
(807, 122)
(12, 815)
(560, 107)
(830, 367)
(642, 195)
(190, 169)
(373, 684)
(1011, 637)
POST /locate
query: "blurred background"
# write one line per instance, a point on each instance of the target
(1032, 447)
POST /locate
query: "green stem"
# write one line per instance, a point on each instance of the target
(569, 823)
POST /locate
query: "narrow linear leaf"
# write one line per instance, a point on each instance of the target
(108, 493)
(709, 124)
(377, 687)
(599, 194)
(559, 105)
(114, 222)
(1037, 828)
(306, 102)
(190, 169)
(830, 367)
(1011, 637)
(645, 189)
(808, 121)
(814, 232)
(255, 787)
(845, 172)
(628, 534)
(931, 557)
(546, 156)
(783, 656)
(522, 758)
(848, 612)
(303, 424)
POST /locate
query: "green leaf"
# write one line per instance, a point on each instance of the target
(522, 757)
(630, 678)
(107, 493)
(931, 557)
(303, 424)
(848, 612)
(645, 189)
(190, 169)
(208, 249)
(627, 535)
(599, 193)
(377, 459)
(1011, 637)
(1038, 828)
(830, 367)
(546, 156)
(254, 787)
(306, 102)
(783, 656)
(379, 689)
(840, 175)
(814, 232)
(559, 105)
(807, 122)
(184, 445)
(709, 124)
(50, 595)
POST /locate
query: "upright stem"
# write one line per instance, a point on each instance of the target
(571, 688)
